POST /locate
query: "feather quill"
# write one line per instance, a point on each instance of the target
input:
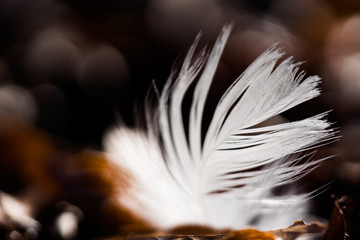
(226, 179)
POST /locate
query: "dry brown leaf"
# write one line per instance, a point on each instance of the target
(250, 234)
(298, 229)
(294, 231)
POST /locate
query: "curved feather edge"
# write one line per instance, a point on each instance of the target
(226, 180)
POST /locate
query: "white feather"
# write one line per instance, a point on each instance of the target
(226, 179)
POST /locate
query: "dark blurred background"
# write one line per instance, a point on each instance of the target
(71, 69)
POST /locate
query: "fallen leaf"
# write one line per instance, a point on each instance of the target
(298, 229)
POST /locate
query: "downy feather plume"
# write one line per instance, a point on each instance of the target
(225, 179)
